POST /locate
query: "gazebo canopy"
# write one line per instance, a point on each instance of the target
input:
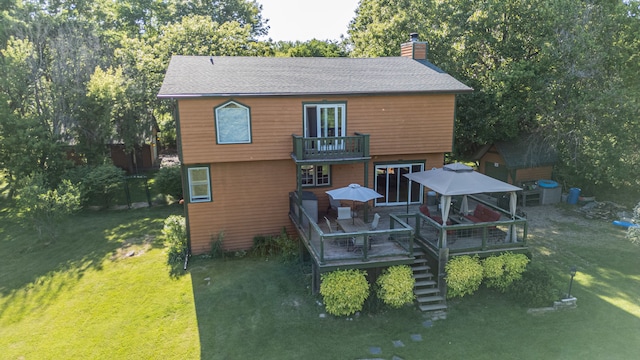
(459, 179)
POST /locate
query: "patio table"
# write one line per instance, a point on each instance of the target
(352, 225)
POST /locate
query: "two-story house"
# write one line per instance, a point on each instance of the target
(252, 130)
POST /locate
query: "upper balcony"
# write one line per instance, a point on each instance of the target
(336, 148)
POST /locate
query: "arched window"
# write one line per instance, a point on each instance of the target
(233, 124)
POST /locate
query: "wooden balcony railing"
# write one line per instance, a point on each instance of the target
(388, 246)
(485, 237)
(337, 147)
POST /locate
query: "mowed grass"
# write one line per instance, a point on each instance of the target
(100, 290)
(82, 297)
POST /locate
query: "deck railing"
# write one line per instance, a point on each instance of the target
(338, 248)
(336, 147)
(473, 237)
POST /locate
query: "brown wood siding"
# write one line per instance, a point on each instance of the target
(343, 175)
(404, 124)
(537, 173)
(414, 50)
(490, 157)
(249, 199)
(406, 50)
(526, 174)
(121, 159)
(252, 198)
(397, 124)
(251, 182)
(420, 51)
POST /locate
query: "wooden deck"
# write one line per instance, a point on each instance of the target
(398, 229)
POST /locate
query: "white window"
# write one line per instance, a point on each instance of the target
(233, 124)
(199, 185)
(325, 120)
(316, 175)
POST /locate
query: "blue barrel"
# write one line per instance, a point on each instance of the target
(574, 194)
(549, 184)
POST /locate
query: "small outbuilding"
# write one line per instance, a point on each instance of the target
(525, 159)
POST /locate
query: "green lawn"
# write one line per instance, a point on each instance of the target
(82, 297)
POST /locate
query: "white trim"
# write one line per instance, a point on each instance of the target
(238, 111)
(313, 176)
(385, 201)
(199, 183)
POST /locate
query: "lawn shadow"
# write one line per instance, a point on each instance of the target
(249, 307)
(30, 267)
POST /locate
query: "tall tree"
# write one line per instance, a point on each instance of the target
(311, 48)
(27, 145)
(562, 68)
(247, 13)
(594, 116)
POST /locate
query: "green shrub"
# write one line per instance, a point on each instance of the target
(44, 207)
(464, 275)
(174, 234)
(534, 289)
(101, 184)
(168, 181)
(283, 245)
(500, 271)
(287, 246)
(217, 247)
(395, 286)
(344, 291)
(262, 245)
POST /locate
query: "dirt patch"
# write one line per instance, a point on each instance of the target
(546, 216)
(133, 247)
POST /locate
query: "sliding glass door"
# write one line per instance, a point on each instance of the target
(394, 187)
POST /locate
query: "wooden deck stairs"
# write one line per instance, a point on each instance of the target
(426, 287)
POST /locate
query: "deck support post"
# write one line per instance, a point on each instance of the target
(299, 190)
(366, 184)
(443, 257)
(315, 279)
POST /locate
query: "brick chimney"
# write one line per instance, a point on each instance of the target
(414, 49)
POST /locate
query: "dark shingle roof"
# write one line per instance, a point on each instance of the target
(527, 151)
(192, 76)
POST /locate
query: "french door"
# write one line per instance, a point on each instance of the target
(394, 187)
(325, 121)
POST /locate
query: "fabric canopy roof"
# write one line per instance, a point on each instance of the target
(459, 179)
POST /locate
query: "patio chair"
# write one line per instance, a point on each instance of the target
(333, 204)
(374, 223)
(344, 213)
(374, 226)
(336, 241)
(424, 209)
(356, 243)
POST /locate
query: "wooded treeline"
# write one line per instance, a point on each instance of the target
(86, 73)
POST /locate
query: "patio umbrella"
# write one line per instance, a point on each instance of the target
(354, 192)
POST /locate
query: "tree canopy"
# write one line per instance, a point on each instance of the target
(84, 73)
(565, 69)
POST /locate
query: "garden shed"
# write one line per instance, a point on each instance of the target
(525, 158)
